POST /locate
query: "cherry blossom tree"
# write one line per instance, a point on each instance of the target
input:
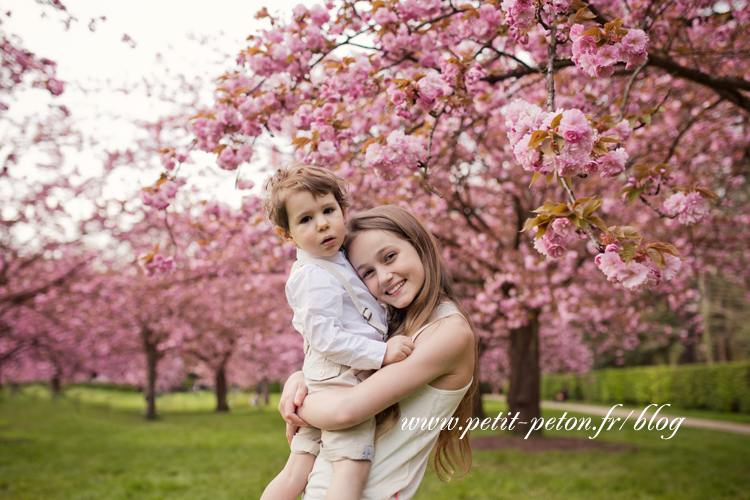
(576, 160)
(82, 288)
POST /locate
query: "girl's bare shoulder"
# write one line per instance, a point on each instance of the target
(453, 329)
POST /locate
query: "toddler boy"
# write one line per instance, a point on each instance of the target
(341, 323)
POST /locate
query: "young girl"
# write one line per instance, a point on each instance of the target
(399, 261)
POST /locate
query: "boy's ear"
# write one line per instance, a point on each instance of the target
(284, 235)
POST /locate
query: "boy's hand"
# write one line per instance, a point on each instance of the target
(293, 394)
(397, 349)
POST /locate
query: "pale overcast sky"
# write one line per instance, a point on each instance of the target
(166, 30)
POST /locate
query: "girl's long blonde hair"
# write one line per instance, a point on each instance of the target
(452, 454)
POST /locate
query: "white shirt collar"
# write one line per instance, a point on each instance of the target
(338, 258)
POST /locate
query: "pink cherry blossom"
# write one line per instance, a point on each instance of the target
(690, 208)
(613, 164)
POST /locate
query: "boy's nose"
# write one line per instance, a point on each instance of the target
(322, 223)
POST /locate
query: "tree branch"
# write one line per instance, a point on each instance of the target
(661, 214)
(626, 95)
(527, 70)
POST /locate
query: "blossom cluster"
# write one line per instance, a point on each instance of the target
(235, 112)
(17, 63)
(159, 195)
(423, 94)
(555, 241)
(398, 155)
(690, 208)
(170, 158)
(635, 275)
(571, 142)
(519, 15)
(156, 264)
(600, 61)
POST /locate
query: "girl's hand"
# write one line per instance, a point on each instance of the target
(292, 397)
(291, 430)
(397, 349)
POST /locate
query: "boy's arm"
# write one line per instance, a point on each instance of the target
(448, 351)
(317, 298)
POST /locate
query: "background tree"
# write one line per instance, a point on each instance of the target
(608, 120)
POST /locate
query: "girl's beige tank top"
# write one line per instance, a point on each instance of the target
(402, 453)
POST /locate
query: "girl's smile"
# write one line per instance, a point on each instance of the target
(389, 265)
(395, 288)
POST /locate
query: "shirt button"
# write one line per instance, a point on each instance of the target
(322, 372)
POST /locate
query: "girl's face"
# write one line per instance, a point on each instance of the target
(389, 265)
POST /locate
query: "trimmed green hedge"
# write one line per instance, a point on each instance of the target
(719, 387)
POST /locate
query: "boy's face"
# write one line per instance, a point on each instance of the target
(316, 224)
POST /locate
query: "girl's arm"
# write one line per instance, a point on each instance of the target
(450, 346)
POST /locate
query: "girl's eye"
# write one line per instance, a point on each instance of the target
(390, 256)
(366, 274)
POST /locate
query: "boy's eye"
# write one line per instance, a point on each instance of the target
(328, 210)
(304, 219)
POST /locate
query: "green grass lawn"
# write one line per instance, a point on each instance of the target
(96, 444)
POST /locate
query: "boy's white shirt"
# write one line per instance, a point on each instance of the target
(328, 317)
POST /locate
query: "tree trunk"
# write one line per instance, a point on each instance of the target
(688, 353)
(722, 348)
(55, 387)
(152, 359)
(221, 388)
(523, 393)
(477, 410)
(705, 311)
(266, 390)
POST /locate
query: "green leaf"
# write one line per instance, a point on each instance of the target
(536, 138)
(633, 195)
(592, 32)
(534, 222)
(590, 206)
(546, 147)
(547, 208)
(600, 149)
(576, 220)
(666, 248)
(561, 210)
(582, 14)
(598, 222)
(609, 139)
(630, 233)
(536, 176)
(541, 229)
(628, 252)
(656, 257)
(578, 210)
(615, 231)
